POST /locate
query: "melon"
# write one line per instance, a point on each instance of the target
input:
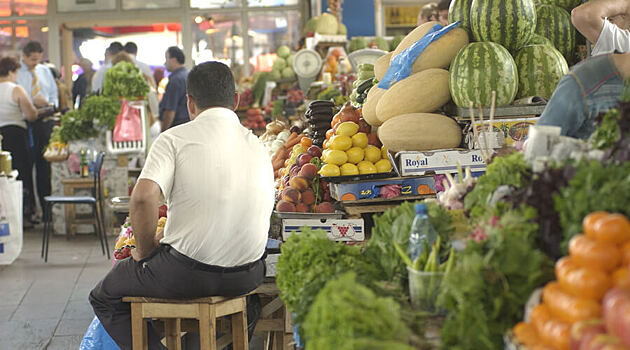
(395, 41)
(479, 69)
(357, 43)
(422, 92)
(540, 68)
(459, 10)
(327, 24)
(382, 65)
(509, 23)
(342, 30)
(419, 132)
(370, 103)
(440, 53)
(538, 39)
(565, 4)
(554, 23)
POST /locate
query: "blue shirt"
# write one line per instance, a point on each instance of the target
(592, 87)
(45, 79)
(174, 98)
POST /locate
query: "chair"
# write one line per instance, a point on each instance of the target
(96, 201)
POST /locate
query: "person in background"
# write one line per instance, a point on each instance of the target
(604, 23)
(82, 86)
(173, 110)
(99, 77)
(132, 49)
(428, 13)
(592, 87)
(65, 95)
(158, 75)
(218, 214)
(37, 79)
(15, 108)
(442, 8)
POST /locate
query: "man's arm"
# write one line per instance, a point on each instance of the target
(589, 18)
(52, 93)
(144, 217)
(167, 119)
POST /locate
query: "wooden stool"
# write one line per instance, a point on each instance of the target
(172, 311)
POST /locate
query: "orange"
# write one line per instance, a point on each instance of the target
(329, 134)
(612, 229)
(306, 142)
(588, 223)
(335, 120)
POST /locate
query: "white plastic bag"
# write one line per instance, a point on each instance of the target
(10, 220)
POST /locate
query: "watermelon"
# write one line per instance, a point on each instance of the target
(480, 68)
(459, 10)
(540, 68)
(565, 4)
(554, 23)
(509, 23)
(539, 40)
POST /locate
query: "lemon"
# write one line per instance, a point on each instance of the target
(340, 143)
(384, 152)
(355, 155)
(298, 149)
(336, 157)
(329, 170)
(349, 169)
(372, 154)
(383, 166)
(360, 140)
(347, 129)
(366, 167)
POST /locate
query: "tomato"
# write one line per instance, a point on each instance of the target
(587, 252)
(556, 333)
(306, 142)
(582, 282)
(526, 334)
(539, 315)
(613, 229)
(568, 308)
(589, 221)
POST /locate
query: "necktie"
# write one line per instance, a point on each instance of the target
(34, 84)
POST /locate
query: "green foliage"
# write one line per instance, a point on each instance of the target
(394, 225)
(348, 315)
(594, 186)
(487, 289)
(75, 126)
(509, 170)
(124, 80)
(308, 260)
(607, 133)
(102, 109)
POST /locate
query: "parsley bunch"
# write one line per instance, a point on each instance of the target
(124, 80)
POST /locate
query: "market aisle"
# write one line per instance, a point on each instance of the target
(45, 306)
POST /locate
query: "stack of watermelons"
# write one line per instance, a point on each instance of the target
(521, 49)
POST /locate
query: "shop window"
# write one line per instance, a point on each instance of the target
(219, 38)
(15, 34)
(149, 4)
(264, 3)
(85, 5)
(23, 7)
(213, 4)
(270, 30)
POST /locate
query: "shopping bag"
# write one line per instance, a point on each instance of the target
(97, 338)
(10, 220)
(400, 67)
(128, 124)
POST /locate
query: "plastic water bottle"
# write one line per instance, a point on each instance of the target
(421, 231)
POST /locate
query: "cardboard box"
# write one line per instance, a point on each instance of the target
(513, 129)
(343, 230)
(369, 189)
(439, 162)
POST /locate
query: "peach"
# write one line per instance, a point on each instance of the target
(308, 197)
(309, 171)
(301, 208)
(290, 194)
(300, 183)
(325, 207)
(294, 170)
(285, 207)
(373, 140)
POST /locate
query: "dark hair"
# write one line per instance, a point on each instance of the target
(114, 48)
(444, 5)
(32, 46)
(177, 53)
(8, 64)
(131, 48)
(211, 84)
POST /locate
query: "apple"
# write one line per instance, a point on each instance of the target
(314, 151)
(616, 311)
(584, 331)
(303, 158)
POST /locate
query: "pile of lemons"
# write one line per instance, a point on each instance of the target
(348, 153)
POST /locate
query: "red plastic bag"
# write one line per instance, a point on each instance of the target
(128, 124)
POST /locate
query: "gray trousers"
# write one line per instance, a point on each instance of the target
(164, 274)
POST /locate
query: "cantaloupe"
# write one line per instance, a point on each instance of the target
(369, 107)
(422, 92)
(381, 65)
(420, 132)
(440, 53)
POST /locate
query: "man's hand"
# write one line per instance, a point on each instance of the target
(589, 18)
(40, 101)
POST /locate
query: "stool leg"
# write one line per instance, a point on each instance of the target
(173, 337)
(207, 327)
(45, 215)
(139, 335)
(48, 230)
(97, 226)
(239, 329)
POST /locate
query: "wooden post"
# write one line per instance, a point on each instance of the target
(67, 55)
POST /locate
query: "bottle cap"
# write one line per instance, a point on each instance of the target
(420, 208)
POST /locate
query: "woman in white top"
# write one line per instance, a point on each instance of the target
(15, 109)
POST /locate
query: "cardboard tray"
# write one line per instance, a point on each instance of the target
(308, 216)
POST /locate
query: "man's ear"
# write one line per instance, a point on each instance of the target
(237, 100)
(192, 108)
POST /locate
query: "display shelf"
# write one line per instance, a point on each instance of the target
(377, 205)
(463, 114)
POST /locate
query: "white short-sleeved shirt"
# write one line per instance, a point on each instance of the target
(611, 39)
(217, 179)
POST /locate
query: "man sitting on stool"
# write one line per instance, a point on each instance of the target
(217, 179)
